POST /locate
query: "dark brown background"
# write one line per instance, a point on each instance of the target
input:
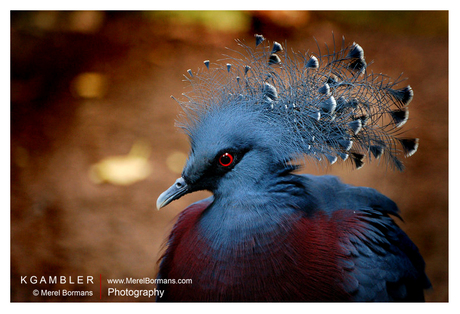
(64, 224)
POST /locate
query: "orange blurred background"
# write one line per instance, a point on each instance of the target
(93, 141)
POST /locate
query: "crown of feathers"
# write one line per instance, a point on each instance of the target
(330, 106)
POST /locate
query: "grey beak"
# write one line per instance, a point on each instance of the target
(176, 191)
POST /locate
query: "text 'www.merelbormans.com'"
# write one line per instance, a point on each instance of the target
(149, 281)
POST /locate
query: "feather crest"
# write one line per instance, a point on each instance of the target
(327, 106)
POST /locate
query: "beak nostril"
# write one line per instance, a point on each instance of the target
(180, 183)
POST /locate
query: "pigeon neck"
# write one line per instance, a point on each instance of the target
(255, 201)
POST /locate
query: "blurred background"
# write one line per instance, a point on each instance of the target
(93, 141)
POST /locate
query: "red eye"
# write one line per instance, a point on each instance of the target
(226, 160)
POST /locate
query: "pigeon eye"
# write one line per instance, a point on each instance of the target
(226, 160)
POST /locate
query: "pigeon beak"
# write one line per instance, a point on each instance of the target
(176, 191)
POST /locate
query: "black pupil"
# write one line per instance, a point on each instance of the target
(225, 160)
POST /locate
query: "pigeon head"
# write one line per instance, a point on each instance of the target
(252, 116)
